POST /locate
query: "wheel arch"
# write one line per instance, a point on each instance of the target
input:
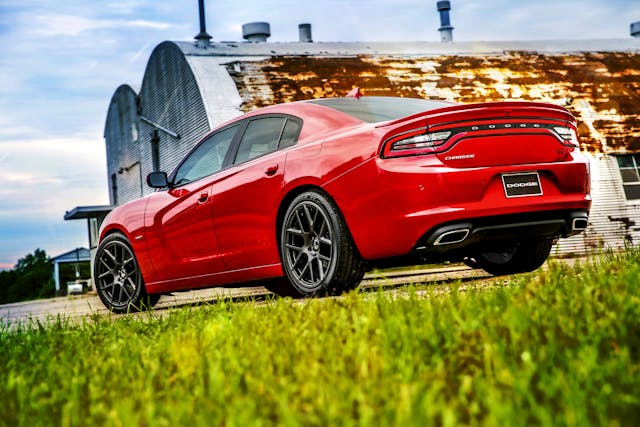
(295, 192)
(113, 229)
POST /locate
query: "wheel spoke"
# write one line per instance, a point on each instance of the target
(112, 256)
(293, 247)
(306, 265)
(320, 268)
(297, 260)
(108, 285)
(322, 228)
(106, 273)
(103, 262)
(295, 231)
(116, 292)
(308, 216)
(314, 219)
(133, 288)
(297, 212)
(310, 265)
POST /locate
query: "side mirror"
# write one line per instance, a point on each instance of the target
(157, 180)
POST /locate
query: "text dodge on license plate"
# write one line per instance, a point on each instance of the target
(521, 184)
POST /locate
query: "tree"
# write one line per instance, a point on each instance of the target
(29, 279)
(32, 262)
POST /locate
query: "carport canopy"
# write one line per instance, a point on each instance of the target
(76, 255)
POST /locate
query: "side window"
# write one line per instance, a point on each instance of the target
(207, 159)
(290, 133)
(260, 137)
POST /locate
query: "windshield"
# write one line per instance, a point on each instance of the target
(374, 109)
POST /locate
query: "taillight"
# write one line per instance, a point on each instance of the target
(414, 145)
(568, 135)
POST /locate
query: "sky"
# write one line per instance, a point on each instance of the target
(61, 61)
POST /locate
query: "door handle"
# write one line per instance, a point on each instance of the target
(203, 198)
(271, 170)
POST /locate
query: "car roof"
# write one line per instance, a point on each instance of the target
(323, 115)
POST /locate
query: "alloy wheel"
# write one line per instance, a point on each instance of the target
(118, 277)
(309, 249)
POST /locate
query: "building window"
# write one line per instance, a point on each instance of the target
(155, 151)
(630, 172)
(114, 189)
(134, 131)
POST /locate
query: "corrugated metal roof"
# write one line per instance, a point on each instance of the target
(408, 48)
(602, 89)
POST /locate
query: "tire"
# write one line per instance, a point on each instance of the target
(518, 257)
(317, 251)
(281, 287)
(118, 279)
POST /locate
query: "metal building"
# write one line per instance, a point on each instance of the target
(188, 88)
(183, 94)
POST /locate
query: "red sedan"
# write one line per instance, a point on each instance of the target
(304, 197)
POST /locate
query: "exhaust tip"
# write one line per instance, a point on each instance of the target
(579, 224)
(451, 237)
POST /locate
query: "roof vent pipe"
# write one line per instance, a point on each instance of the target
(256, 31)
(635, 29)
(305, 33)
(446, 30)
(202, 38)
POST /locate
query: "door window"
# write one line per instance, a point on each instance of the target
(260, 137)
(206, 159)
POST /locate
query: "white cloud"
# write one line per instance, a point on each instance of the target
(44, 178)
(53, 25)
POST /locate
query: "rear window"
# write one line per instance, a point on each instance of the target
(373, 109)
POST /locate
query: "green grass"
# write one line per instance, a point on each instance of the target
(559, 347)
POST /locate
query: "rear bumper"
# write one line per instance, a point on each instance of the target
(403, 200)
(486, 231)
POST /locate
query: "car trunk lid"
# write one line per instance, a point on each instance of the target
(488, 134)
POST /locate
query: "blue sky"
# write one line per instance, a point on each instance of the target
(60, 62)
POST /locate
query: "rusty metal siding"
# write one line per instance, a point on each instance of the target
(170, 97)
(123, 152)
(601, 89)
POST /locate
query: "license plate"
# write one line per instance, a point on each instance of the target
(521, 184)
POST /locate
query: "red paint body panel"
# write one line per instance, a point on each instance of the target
(180, 233)
(245, 207)
(223, 229)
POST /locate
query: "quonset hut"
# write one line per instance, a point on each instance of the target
(189, 88)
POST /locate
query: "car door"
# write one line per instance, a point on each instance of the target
(246, 200)
(183, 242)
